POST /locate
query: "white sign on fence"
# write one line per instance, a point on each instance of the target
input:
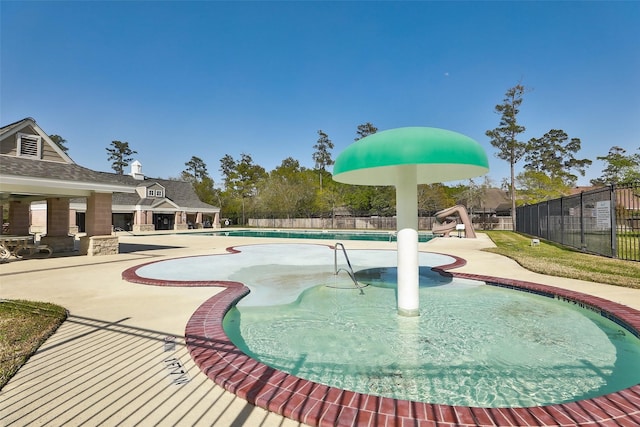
(603, 214)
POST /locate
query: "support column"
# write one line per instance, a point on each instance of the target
(407, 198)
(57, 236)
(180, 221)
(73, 223)
(98, 217)
(407, 214)
(57, 217)
(408, 273)
(19, 220)
(99, 239)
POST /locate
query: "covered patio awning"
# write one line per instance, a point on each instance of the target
(27, 180)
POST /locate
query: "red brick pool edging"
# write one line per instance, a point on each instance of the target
(321, 405)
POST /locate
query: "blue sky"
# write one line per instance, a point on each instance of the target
(207, 78)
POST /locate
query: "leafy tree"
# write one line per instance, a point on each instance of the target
(538, 186)
(288, 168)
(248, 176)
(196, 173)
(364, 130)
(322, 155)
(505, 137)
(242, 179)
(554, 155)
(621, 168)
(372, 200)
(196, 170)
(433, 198)
(289, 189)
(60, 142)
(228, 169)
(120, 155)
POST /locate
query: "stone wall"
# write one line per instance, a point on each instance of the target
(138, 228)
(59, 244)
(99, 245)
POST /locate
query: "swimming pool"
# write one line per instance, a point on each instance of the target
(377, 236)
(473, 345)
(300, 399)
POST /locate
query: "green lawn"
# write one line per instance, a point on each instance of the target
(24, 326)
(552, 259)
(629, 246)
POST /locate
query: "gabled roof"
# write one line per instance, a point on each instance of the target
(29, 125)
(180, 193)
(29, 177)
(582, 189)
(495, 198)
(32, 178)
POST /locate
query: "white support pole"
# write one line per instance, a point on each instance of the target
(408, 277)
(407, 211)
(407, 197)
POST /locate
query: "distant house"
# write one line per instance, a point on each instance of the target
(491, 201)
(157, 204)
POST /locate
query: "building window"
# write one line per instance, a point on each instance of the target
(158, 193)
(29, 145)
(151, 193)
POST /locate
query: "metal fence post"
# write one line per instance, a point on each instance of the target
(582, 239)
(562, 220)
(614, 222)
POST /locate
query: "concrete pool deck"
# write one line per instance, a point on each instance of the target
(110, 363)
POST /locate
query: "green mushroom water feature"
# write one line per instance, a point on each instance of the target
(404, 158)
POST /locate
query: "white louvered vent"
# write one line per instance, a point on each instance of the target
(28, 145)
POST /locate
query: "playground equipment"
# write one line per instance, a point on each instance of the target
(446, 222)
(406, 157)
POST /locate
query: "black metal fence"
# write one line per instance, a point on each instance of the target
(604, 221)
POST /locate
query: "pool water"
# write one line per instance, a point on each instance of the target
(377, 236)
(473, 345)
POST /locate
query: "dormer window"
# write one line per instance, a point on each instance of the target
(29, 145)
(151, 193)
(158, 193)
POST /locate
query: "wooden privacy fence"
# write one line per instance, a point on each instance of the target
(359, 222)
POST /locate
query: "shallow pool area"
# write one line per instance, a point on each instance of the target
(279, 273)
(473, 345)
(310, 401)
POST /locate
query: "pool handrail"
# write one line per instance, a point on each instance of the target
(350, 271)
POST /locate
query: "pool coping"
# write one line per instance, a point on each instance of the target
(320, 405)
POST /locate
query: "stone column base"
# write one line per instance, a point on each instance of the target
(137, 228)
(99, 245)
(59, 244)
